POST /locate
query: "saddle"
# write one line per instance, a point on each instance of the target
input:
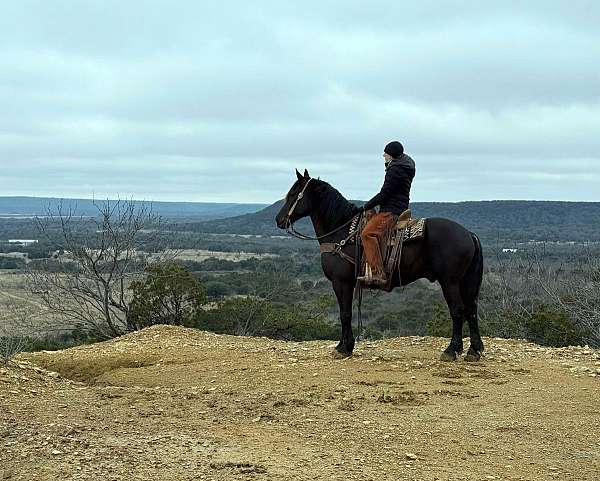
(406, 229)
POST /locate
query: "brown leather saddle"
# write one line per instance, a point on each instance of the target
(406, 229)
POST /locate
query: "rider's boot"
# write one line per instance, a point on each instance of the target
(373, 277)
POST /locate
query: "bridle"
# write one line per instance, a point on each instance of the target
(298, 199)
(299, 235)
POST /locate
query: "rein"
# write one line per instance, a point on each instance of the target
(299, 235)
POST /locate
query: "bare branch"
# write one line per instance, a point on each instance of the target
(99, 257)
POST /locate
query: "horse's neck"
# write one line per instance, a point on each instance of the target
(322, 226)
(324, 218)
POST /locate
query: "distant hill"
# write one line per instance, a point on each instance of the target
(24, 206)
(512, 220)
(507, 219)
(261, 222)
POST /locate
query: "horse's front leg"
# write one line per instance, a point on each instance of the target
(344, 293)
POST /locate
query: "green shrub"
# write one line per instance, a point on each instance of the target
(12, 263)
(552, 327)
(545, 325)
(251, 316)
(169, 294)
(441, 323)
(216, 289)
(61, 341)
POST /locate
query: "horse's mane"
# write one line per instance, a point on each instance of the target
(333, 205)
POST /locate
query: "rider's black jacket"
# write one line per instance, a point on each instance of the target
(395, 193)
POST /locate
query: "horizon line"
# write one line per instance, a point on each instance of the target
(92, 199)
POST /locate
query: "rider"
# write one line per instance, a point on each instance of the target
(392, 200)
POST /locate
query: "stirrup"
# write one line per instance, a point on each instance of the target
(378, 281)
(369, 278)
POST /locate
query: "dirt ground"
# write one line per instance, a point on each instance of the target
(176, 404)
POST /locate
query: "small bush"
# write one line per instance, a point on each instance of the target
(169, 294)
(61, 341)
(250, 316)
(12, 263)
(553, 328)
(545, 325)
(216, 289)
(16, 326)
(441, 324)
(10, 346)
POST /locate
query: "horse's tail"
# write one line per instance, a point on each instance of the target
(471, 283)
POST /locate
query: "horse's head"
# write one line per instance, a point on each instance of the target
(297, 202)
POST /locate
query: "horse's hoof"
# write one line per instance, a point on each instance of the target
(340, 354)
(448, 357)
(473, 356)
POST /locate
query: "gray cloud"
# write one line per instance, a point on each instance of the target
(184, 101)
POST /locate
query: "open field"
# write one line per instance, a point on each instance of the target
(13, 287)
(176, 404)
(13, 284)
(199, 255)
(17, 301)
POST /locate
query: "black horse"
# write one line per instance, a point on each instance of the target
(448, 253)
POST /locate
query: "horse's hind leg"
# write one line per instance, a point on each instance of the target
(476, 347)
(469, 290)
(457, 312)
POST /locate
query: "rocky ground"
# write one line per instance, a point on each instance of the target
(175, 404)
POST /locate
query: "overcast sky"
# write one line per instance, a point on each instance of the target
(220, 101)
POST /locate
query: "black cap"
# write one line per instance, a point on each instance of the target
(395, 149)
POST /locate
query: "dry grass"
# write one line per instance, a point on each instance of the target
(14, 291)
(199, 255)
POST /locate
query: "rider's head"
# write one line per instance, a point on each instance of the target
(394, 149)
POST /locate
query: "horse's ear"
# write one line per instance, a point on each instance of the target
(306, 175)
(299, 175)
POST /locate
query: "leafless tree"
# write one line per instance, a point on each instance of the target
(518, 284)
(510, 290)
(87, 282)
(577, 292)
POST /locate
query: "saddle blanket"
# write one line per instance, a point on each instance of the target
(414, 230)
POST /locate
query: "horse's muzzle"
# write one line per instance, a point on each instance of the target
(283, 223)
